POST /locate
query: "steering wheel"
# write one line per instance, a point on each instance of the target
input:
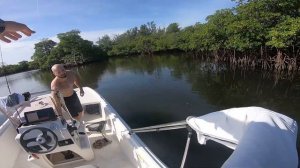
(44, 140)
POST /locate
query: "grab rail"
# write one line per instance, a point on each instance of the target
(167, 127)
(160, 127)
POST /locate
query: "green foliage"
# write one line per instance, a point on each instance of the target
(10, 69)
(76, 50)
(285, 34)
(147, 29)
(173, 28)
(145, 45)
(246, 28)
(105, 43)
(215, 30)
(71, 49)
(42, 52)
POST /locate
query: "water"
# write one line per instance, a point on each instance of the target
(148, 91)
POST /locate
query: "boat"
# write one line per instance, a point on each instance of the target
(258, 136)
(45, 140)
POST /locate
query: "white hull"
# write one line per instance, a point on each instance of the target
(124, 151)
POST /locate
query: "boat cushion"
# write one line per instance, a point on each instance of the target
(260, 137)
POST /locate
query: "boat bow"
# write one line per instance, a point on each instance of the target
(260, 137)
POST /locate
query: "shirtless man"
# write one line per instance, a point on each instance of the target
(63, 82)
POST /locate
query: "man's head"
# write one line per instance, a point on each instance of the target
(59, 71)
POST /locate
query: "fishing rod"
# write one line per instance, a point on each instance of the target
(4, 70)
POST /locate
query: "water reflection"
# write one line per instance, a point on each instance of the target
(22, 82)
(154, 90)
(218, 86)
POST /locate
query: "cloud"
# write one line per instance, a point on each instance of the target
(15, 52)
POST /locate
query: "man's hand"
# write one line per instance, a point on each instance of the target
(81, 92)
(11, 31)
(62, 119)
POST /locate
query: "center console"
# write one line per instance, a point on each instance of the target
(44, 134)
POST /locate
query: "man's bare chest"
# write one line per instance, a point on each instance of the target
(65, 84)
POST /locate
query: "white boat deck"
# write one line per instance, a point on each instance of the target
(109, 156)
(124, 150)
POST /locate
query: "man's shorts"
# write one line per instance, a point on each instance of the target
(73, 104)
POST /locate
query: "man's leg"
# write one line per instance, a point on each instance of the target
(79, 116)
(80, 126)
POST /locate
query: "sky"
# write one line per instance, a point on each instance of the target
(95, 18)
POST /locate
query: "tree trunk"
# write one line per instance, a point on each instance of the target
(261, 52)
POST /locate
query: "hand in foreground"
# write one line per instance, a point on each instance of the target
(12, 30)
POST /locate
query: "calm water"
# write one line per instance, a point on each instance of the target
(148, 91)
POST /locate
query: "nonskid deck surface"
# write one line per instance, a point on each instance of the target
(110, 156)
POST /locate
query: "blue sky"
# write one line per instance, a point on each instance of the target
(95, 18)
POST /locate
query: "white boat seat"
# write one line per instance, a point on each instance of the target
(259, 137)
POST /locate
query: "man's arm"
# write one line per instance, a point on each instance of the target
(77, 83)
(54, 94)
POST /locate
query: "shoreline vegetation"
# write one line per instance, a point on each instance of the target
(255, 34)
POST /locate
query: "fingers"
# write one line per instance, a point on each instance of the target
(25, 30)
(11, 26)
(11, 36)
(16, 34)
(8, 36)
(3, 38)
